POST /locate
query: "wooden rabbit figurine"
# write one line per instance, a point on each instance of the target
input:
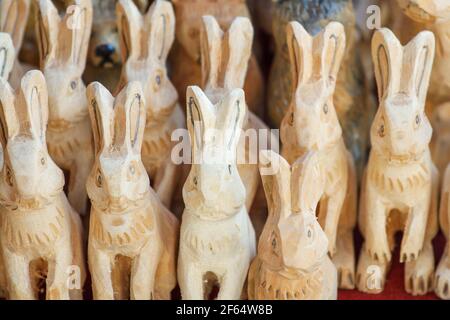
(442, 278)
(225, 57)
(292, 261)
(185, 58)
(13, 20)
(353, 113)
(399, 191)
(40, 232)
(131, 232)
(63, 47)
(311, 130)
(145, 44)
(217, 240)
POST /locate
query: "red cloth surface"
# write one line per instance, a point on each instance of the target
(394, 287)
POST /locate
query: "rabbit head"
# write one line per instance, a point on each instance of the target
(315, 62)
(292, 239)
(118, 180)
(214, 187)
(29, 177)
(189, 20)
(13, 19)
(224, 55)
(7, 55)
(401, 130)
(145, 42)
(63, 44)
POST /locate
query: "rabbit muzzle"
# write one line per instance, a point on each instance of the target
(118, 203)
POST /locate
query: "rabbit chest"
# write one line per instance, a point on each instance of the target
(272, 284)
(128, 229)
(34, 230)
(225, 237)
(399, 181)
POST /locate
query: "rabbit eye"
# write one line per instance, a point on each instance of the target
(229, 168)
(43, 161)
(274, 243)
(195, 180)
(73, 84)
(418, 120)
(325, 108)
(158, 79)
(291, 119)
(9, 178)
(381, 131)
(99, 180)
(310, 233)
(132, 170)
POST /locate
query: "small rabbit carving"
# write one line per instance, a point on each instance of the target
(225, 57)
(217, 240)
(13, 20)
(127, 220)
(40, 232)
(63, 47)
(399, 189)
(145, 41)
(311, 130)
(442, 278)
(292, 261)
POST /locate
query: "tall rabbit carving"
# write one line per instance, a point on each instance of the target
(40, 232)
(310, 130)
(13, 20)
(225, 57)
(63, 45)
(185, 58)
(399, 191)
(442, 278)
(292, 261)
(217, 240)
(128, 221)
(145, 42)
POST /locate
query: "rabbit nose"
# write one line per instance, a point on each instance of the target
(105, 50)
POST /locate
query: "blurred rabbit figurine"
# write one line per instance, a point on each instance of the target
(440, 143)
(217, 240)
(311, 130)
(6, 64)
(63, 47)
(40, 232)
(399, 190)
(292, 261)
(225, 57)
(145, 44)
(442, 278)
(127, 218)
(13, 20)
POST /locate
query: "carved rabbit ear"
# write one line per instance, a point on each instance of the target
(331, 45)
(417, 64)
(78, 25)
(232, 115)
(8, 116)
(47, 30)
(129, 21)
(32, 105)
(129, 120)
(276, 177)
(239, 39)
(300, 53)
(13, 19)
(387, 55)
(7, 55)
(200, 116)
(211, 49)
(101, 111)
(161, 18)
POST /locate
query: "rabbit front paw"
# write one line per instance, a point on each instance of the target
(419, 273)
(379, 251)
(410, 251)
(442, 280)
